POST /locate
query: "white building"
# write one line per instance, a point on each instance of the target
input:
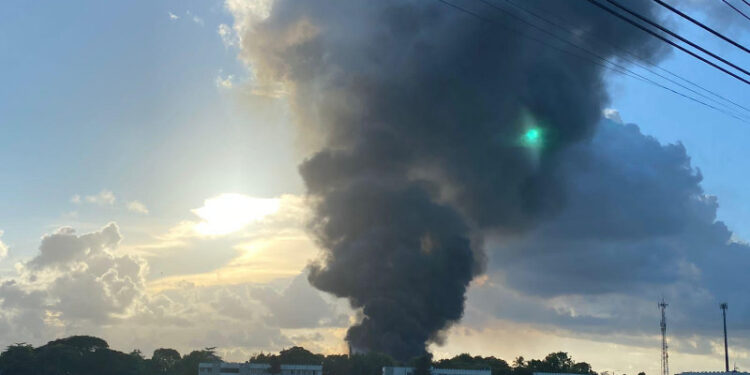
(228, 368)
(434, 371)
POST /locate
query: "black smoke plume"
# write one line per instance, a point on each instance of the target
(419, 109)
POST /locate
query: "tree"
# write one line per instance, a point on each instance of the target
(497, 366)
(275, 363)
(337, 364)
(188, 365)
(18, 359)
(87, 343)
(422, 364)
(370, 363)
(163, 360)
(298, 355)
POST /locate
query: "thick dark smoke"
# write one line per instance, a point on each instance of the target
(421, 109)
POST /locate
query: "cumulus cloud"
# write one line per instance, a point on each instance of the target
(65, 246)
(300, 306)
(612, 114)
(74, 280)
(104, 198)
(636, 226)
(87, 283)
(228, 36)
(3, 247)
(225, 82)
(136, 206)
(197, 20)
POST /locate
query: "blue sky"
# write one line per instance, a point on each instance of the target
(127, 97)
(122, 97)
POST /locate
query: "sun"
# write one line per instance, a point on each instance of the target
(228, 213)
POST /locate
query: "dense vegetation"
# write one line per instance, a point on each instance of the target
(83, 355)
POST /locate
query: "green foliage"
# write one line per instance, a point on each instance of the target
(188, 365)
(369, 363)
(164, 360)
(86, 355)
(422, 364)
(496, 365)
(558, 362)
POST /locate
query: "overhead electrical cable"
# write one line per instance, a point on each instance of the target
(617, 68)
(735, 9)
(672, 33)
(635, 60)
(673, 44)
(703, 26)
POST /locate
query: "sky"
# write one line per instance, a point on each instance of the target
(150, 194)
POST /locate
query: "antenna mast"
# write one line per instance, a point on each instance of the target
(664, 354)
(723, 307)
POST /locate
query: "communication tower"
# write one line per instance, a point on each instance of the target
(664, 353)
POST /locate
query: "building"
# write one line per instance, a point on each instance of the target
(228, 368)
(714, 373)
(434, 371)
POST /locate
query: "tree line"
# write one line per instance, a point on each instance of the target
(84, 355)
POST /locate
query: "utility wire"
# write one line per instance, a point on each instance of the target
(635, 60)
(746, 2)
(673, 44)
(625, 71)
(701, 25)
(735, 9)
(670, 32)
(597, 56)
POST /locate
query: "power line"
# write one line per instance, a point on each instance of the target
(599, 57)
(746, 2)
(700, 24)
(681, 48)
(670, 32)
(620, 69)
(635, 60)
(735, 9)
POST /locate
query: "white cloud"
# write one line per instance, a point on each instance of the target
(195, 18)
(3, 247)
(228, 36)
(75, 199)
(612, 114)
(229, 213)
(225, 82)
(138, 207)
(104, 198)
(64, 246)
(248, 12)
(173, 16)
(87, 283)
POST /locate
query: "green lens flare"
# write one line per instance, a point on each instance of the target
(533, 135)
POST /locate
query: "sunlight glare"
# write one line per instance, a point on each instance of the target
(228, 213)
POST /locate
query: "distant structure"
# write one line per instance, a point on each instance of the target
(714, 373)
(723, 308)
(229, 368)
(388, 370)
(664, 352)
